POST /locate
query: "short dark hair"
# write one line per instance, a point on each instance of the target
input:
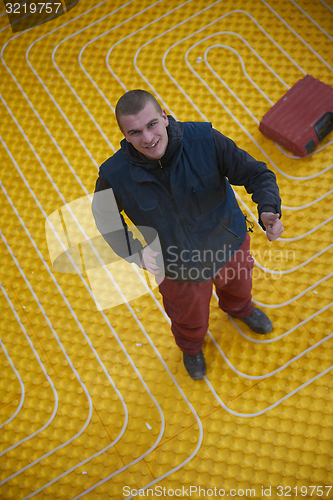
(133, 102)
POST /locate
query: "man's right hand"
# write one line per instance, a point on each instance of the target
(148, 261)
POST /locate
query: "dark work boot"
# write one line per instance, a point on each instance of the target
(195, 365)
(258, 321)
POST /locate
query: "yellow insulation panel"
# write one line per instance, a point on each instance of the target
(96, 403)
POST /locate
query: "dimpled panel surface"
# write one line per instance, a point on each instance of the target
(97, 403)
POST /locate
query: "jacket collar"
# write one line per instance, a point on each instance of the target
(170, 157)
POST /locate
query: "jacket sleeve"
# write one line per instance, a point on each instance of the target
(241, 169)
(111, 224)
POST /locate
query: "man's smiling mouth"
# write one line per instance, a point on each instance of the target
(153, 145)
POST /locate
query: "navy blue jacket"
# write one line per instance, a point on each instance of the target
(188, 201)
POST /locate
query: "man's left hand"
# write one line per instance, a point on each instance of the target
(273, 225)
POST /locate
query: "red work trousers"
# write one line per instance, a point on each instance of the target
(187, 303)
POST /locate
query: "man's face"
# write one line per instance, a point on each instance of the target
(146, 131)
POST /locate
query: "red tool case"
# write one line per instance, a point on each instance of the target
(302, 117)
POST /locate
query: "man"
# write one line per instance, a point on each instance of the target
(172, 176)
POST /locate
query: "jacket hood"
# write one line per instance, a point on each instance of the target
(169, 159)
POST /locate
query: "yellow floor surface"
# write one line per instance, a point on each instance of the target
(96, 404)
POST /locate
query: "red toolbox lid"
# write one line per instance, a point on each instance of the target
(302, 117)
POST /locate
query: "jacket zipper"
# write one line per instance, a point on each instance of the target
(174, 204)
(196, 200)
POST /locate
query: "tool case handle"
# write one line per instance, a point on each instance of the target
(324, 125)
